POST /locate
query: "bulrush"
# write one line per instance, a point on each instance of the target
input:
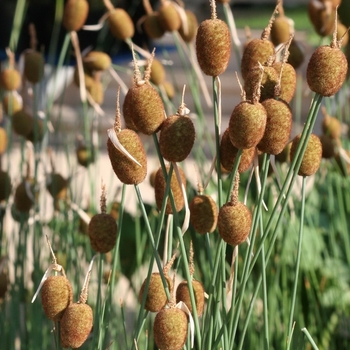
(177, 135)
(258, 50)
(119, 21)
(248, 121)
(213, 44)
(75, 14)
(327, 68)
(312, 157)
(126, 153)
(169, 17)
(235, 219)
(159, 189)
(102, 228)
(142, 104)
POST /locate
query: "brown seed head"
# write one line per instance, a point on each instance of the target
(97, 60)
(204, 213)
(10, 79)
(75, 14)
(169, 18)
(156, 297)
(22, 200)
(192, 25)
(281, 30)
(331, 126)
(157, 72)
(57, 186)
(33, 66)
(152, 26)
(288, 80)
(183, 294)
(3, 140)
(312, 157)
(56, 296)
(121, 24)
(322, 15)
(76, 325)
(11, 103)
(5, 185)
(170, 329)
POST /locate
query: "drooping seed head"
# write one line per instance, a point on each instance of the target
(33, 66)
(76, 325)
(228, 153)
(120, 24)
(281, 30)
(24, 198)
(57, 186)
(96, 91)
(331, 126)
(328, 146)
(97, 60)
(75, 14)
(312, 158)
(170, 329)
(56, 296)
(204, 213)
(183, 294)
(296, 54)
(156, 297)
(169, 17)
(152, 26)
(10, 79)
(102, 232)
(278, 126)
(192, 25)
(288, 80)
(322, 15)
(157, 72)
(159, 189)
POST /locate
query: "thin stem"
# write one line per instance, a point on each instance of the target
(308, 335)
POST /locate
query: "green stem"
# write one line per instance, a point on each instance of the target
(308, 335)
(17, 24)
(297, 263)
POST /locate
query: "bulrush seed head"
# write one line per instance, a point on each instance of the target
(328, 146)
(169, 17)
(97, 60)
(296, 54)
(3, 140)
(177, 135)
(228, 153)
(288, 80)
(213, 45)
(170, 329)
(234, 223)
(322, 15)
(192, 25)
(278, 126)
(152, 26)
(331, 126)
(75, 14)
(5, 185)
(327, 68)
(247, 124)
(24, 198)
(96, 91)
(142, 103)
(204, 213)
(284, 156)
(312, 157)
(22, 123)
(159, 189)
(121, 24)
(56, 296)
(33, 66)
(57, 186)
(156, 297)
(10, 79)
(88, 77)
(127, 171)
(11, 103)
(157, 72)
(183, 294)
(281, 30)
(76, 325)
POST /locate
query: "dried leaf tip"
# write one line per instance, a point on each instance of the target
(191, 260)
(137, 74)
(266, 32)
(84, 292)
(234, 195)
(33, 36)
(183, 110)
(103, 198)
(148, 70)
(117, 122)
(243, 94)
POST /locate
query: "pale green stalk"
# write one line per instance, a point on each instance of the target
(309, 337)
(17, 24)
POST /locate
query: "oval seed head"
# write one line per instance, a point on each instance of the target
(23, 201)
(156, 297)
(157, 72)
(170, 329)
(213, 46)
(127, 171)
(10, 79)
(37, 132)
(169, 18)
(152, 26)
(322, 16)
(159, 189)
(192, 25)
(34, 66)
(176, 138)
(22, 123)
(268, 80)
(288, 81)
(326, 70)
(312, 157)
(5, 186)
(96, 91)
(3, 140)
(284, 156)
(88, 77)
(56, 296)
(228, 153)
(76, 325)
(278, 126)
(257, 50)
(84, 155)
(102, 232)
(144, 106)
(11, 103)
(75, 14)
(281, 30)
(121, 24)
(234, 223)
(331, 126)
(204, 213)
(247, 124)
(57, 186)
(296, 53)
(97, 60)
(328, 146)
(183, 294)
(342, 33)
(169, 89)
(344, 166)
